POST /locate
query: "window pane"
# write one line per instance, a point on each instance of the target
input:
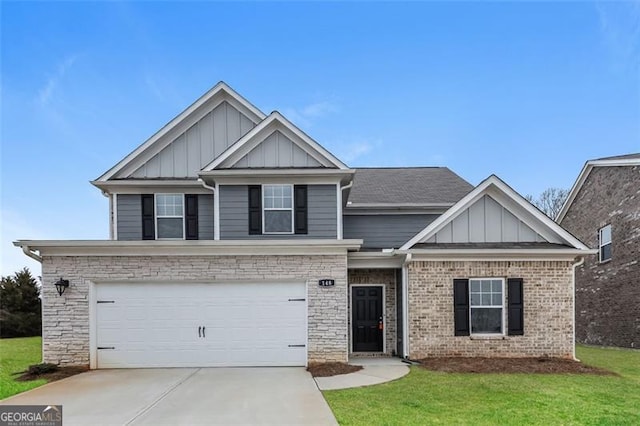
(268, 191)
(605, 252)
(169, 204)
(486, 320)
(605, 235)
(496, 299)
(169, 228)
(486, 299)
(268, 202)
(496, 286)
(475, 299)
(486, 286)
(475, 286)
(277, 221)
(286, 202)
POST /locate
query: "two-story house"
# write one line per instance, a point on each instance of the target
(603, 210)
(238, 240)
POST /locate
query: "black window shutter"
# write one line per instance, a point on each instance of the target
(461, 307)
(300, 209)
(516, 307)
(255, 209)
(148, 220)
(191, 216)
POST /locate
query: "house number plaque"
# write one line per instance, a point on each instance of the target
(326, 283)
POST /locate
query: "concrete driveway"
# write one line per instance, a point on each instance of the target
(186, 396)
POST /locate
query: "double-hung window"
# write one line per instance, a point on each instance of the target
(277, 202)
(604, 242)
(170, 216)
(487, 305)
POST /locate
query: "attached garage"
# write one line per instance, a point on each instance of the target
(141, 325)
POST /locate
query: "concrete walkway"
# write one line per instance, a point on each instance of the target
(374, 371)
(186, 396)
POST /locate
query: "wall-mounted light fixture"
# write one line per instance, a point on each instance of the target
(61, 285)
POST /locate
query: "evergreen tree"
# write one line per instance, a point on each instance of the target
(20, 305)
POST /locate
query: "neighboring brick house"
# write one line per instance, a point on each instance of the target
(237, 240)
(603, 210)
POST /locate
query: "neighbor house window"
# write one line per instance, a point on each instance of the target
(170, 216)
(487, 305)
(605, 243)
(277, 201)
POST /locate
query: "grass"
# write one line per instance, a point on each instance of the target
(426, 397)
(17, 355)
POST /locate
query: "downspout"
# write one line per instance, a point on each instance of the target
(216, 209)
(405, 305)
(340, 209)
(31, 254)
(573, 292)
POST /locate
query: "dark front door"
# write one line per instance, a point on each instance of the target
(367, 326)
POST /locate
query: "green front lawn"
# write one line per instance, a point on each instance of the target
(426, 397)
(17, 355)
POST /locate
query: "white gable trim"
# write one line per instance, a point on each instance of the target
(584, 173)
(275, 121)
(150, 147)
(503, 193)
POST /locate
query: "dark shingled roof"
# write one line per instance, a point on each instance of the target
(407, 186)
(621, 157)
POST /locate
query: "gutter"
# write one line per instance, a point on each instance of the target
(29, 252)
(216, 208)
(573, 293)
(405, 305)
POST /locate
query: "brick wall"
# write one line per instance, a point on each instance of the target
(65, 328)
(608, 294)
(388, 278)
(548, 309)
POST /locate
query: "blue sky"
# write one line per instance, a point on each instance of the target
(528, 91)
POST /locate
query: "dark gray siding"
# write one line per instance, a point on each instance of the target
(205, 217)
(234, 211)
(385, 231)
(129, 211)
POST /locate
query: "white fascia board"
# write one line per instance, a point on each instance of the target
(512, 196)
(275, 121)
(142, 186)
(256, 176)
(189, 247)
(582, 177)
(222, 90)
(497, 254)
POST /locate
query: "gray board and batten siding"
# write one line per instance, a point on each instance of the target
(277, 150)
(234, 213)
(486, 221)
(385, 230)
(129, 217)
(197, 146)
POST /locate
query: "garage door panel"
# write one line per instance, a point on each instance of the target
(156, 325)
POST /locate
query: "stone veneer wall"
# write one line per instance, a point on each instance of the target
(65, 327)
(388, 278)
(548, 309)
(608, 293)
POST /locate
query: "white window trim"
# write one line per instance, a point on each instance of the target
(155, 216)
(278, 209)
(600, 245)
(502, 326)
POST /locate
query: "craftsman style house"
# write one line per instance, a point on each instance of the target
(238, 240)
(603, 210)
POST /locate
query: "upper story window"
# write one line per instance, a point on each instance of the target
(604, 238)
(277, 212)
(170, 216)
(486, 305)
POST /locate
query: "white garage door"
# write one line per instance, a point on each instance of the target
(201, 325)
